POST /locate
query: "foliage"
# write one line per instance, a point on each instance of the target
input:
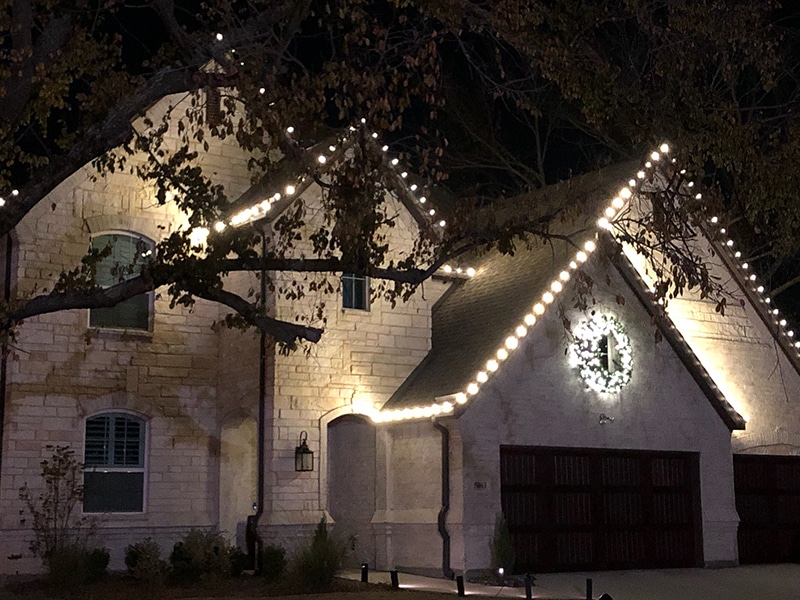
(315, 566)
(201, 556)
(144, 562)
(272, 563)
(73, 566)
(484, 101)
(502, 546)
(56, 528)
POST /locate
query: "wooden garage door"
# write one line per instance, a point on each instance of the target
(585, 509)
(768, 503)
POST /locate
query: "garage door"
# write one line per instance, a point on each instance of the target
(768, 503)
(586, 509)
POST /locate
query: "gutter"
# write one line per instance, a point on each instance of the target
(447, 572)
(4, 349)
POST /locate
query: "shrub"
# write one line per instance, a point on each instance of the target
(238, 560)
(316, 565)
(144, 562)
(202, 555)
(503, 555)
(73, 566)
(273, 563)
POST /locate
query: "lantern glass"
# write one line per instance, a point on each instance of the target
(303, 456)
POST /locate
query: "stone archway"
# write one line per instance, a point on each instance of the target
(237, 476)
(351, 485)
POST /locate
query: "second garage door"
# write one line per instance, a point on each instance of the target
(574, 509)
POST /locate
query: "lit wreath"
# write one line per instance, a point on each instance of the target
(590, 354)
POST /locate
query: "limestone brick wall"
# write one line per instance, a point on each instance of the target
(538, 399)
(62, 371)
(740, 353)
(362, 358)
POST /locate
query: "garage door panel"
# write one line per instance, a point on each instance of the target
(576, 509)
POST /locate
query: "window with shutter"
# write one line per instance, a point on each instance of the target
(113, 477)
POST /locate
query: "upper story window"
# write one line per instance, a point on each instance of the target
(355, 291)
(128, 253)
(113, 477)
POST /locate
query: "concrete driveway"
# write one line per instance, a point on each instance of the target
(767, 582)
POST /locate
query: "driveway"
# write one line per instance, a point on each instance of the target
(762, 582)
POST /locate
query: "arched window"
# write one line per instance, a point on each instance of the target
(113, 457)
(128, 253)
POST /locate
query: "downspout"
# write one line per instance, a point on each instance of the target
(255, 548)
(447, 572)
(4, 349)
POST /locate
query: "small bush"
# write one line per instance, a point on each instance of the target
(238, 561)
(503, 554)
(144, 562)
(202, 555)
(315, 566)
(74, 566)
(273, 563)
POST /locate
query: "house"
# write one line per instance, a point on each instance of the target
(426, 419)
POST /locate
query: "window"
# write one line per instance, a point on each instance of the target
(128, 254)
(355, 291)
(113, 457)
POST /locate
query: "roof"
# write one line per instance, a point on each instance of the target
(474, 318)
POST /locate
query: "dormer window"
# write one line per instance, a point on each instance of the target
(355, 291)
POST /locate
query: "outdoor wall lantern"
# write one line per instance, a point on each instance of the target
(303, 456)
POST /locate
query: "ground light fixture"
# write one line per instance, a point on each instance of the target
(303, 456)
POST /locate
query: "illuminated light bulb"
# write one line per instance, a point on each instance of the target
(753, 277)
(447, 269)
(442, 223)
(625, 193)
(363, 120)
(631, 183)
(331, 148)
(783, 322)
(538, 309)
(737, 254)
(262, 90)
(374, 136)
(581, 256)
(511, 342)
(385, 148)
(564, 276)
(473, 388)
(729, 243)
(655, 156)
(698, 197)
(321, 159)
(589, 246)
(683, 171)
(422, 199)
(548, 297)
(714, 219)
(664, 148)
(492, 365)
(482, 377)
(290, 129)
(723, 230)
(556, 286)
(447, 407)
(395, 161)
(458, 270)
(432, 212)
(427, 411)
(648, 164)
(461, 397)
(767, 300)
(289, 190)
(530, 320)
(797, 344)
(413, 187)
(470, 272)
(775, 311)
(417, 412)
(617, 202)
(745, 266)
(640, 174)
(690, 184)
(15, 192)
(760, 289)
(219, 226)
(219, 37)
(266, 205)
(276, 196)
(674, 160)
(2, 202)
(603, 223)
(521, 331)
(573, 265)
